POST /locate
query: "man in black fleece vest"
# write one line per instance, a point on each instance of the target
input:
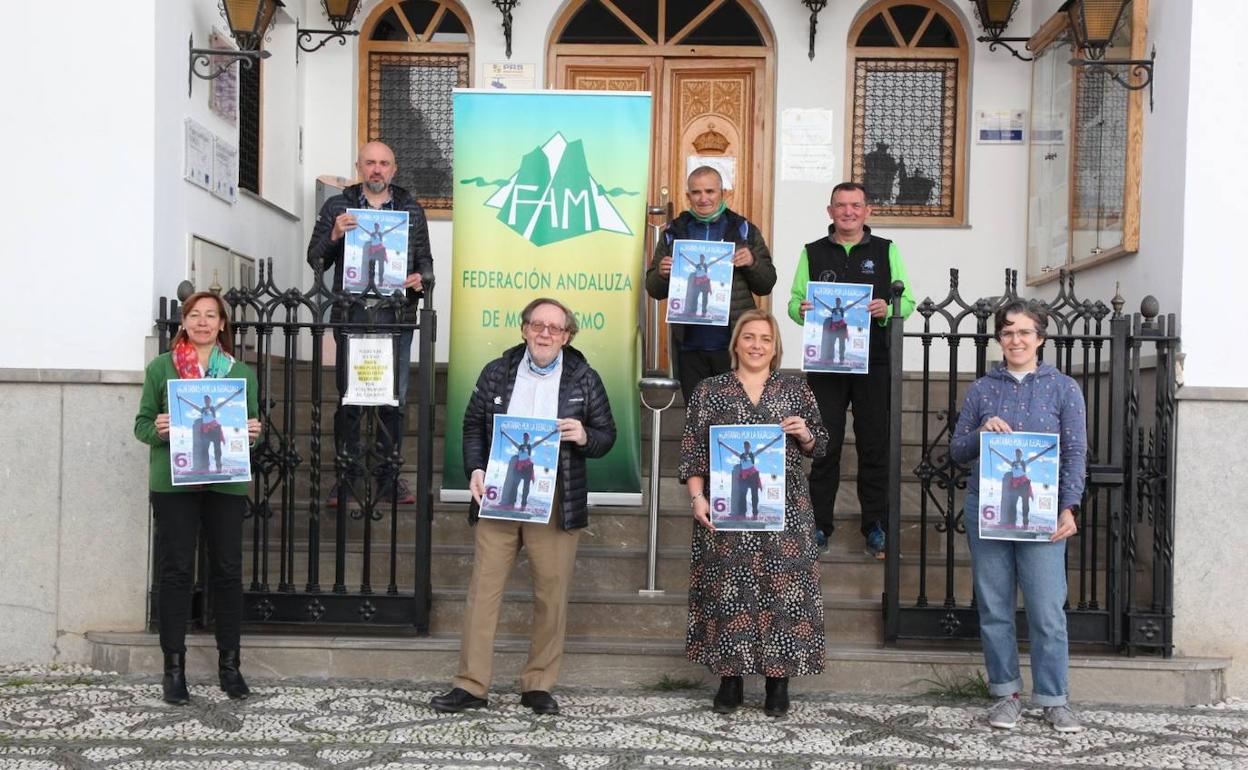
(850, 253)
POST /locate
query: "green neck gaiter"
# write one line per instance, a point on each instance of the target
(723, 206)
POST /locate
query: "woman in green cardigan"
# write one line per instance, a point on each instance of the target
(203, 347)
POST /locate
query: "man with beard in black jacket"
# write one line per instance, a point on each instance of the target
(376, 167)
(544, 377)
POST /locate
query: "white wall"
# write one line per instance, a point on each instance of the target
(1213, 201)
(78, 260)
(249, 226)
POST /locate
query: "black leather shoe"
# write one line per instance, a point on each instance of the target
(777, 702)
(231, 679)
(173, 683)
(456, 701)
(540, 701)
(731, 694)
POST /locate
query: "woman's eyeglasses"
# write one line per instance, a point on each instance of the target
(1019, 334)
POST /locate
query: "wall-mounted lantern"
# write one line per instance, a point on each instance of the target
(994, 17)
(1094, 24)
(814, 6)
(249, 22)
(340, 14)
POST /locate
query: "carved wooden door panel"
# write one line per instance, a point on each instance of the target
(714, 117)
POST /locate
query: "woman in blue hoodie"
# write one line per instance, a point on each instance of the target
(1023, 394)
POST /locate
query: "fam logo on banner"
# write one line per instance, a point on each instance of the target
(549, 200)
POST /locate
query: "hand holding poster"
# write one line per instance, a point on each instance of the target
(378, 242)
(1018, 485)
(208, 442)
(836, 331)
(524, 460)
(700, 291)
(747, 478)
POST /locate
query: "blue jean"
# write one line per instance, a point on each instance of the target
(999, 568)
(347, 418)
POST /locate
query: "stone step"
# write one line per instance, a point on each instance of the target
(845, 569)
(629, 664)
(630, 615)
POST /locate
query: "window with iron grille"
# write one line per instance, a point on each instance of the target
(413, 54)
(907, 126)
(249, 127)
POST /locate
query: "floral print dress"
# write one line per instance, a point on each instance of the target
(754, 601)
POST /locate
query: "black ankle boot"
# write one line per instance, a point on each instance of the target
(231, 678)
(777, 702)
(731, 693)
(174, 681)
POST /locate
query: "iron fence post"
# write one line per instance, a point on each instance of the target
(892, 566)
(426, 383)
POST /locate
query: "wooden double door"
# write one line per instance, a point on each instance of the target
(707, 111)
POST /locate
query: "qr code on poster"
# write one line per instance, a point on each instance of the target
(237, 445)
(859, 343)
(543, 486)
(772, 494)
(1045, 503)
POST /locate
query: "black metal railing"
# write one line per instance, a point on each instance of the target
(1121, 563)
(377, 549)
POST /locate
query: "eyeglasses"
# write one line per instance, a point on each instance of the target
(538, 328)
(1019, 334)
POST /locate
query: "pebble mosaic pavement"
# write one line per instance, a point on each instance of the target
(72, 717)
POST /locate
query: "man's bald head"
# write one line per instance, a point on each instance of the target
(375, 165)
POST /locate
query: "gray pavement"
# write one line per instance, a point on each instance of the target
(72, 717)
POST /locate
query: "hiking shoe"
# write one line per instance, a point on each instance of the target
(386, 492)
(875, 541)
(1005, 712)
(1063, 719)
(821, 539)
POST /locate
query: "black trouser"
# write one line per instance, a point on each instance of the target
(868, 393)
(693, 366)
(179, 516)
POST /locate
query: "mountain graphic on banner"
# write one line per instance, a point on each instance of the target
(553, 197)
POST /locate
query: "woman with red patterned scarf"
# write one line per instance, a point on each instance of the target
(203, 347)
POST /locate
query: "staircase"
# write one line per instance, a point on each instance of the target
(619, 637)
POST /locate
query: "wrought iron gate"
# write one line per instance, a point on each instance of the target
(377, 550)
(1121, 562)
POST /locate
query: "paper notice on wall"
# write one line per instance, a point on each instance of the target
(807, 163)
(999, 126)
(198, 149)
(225, 170)
(805, 127)
(726, 165)
(506, 76)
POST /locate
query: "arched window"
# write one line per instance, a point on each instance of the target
(412, 54)
(908, 119)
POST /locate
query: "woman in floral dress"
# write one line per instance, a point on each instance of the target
(754, 600)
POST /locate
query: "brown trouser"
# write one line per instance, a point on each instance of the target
(552, 558)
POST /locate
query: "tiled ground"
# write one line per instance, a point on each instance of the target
(80, 719)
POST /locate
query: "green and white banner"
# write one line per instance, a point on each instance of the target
(550, 201)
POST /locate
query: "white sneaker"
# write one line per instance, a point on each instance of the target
(1063, 719)
(1005, 712)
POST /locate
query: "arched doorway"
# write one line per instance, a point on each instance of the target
(710, 65)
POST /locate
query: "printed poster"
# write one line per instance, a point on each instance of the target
(376, 250)
(208, 442)
(747, 478)
(700, 291)
(520, 477)
(1018, 485)
(837, 330)
(550, 201)
(370, 370)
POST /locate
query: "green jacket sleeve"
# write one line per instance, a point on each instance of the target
(798, 293)
(897, 270)
(150, 403)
